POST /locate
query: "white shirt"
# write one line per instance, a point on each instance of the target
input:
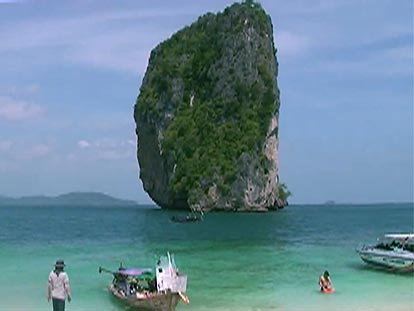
(58, 283)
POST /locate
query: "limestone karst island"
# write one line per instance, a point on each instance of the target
(207, 115)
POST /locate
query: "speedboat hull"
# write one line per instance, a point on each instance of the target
(165, 301)
(400, 261)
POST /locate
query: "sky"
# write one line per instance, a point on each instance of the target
(71, 71)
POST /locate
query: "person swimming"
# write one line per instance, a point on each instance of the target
(325, 282)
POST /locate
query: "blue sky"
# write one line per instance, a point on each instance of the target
(71, 70)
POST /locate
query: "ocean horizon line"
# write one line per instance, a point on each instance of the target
(94, 198)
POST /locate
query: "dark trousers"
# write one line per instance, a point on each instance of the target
(58, 304)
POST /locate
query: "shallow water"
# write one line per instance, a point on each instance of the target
(246, 262)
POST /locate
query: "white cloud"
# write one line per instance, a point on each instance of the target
(114, 154)
(33, 152)
(32, 88)
(399, 53)
(317, 7)
(15, 110)
(106, 143)
(84, 144)
(71, 157)
(40, 150)
(5, 145)
(291, 44)
(95, 39)
(105, 149)
(122, 39)
(17, 154)
(13, 152)
(316, 29)
(388, 62)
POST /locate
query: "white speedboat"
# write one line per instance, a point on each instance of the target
(393, 251)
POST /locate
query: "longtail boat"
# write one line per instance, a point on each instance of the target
(191, 217)
(146, 290)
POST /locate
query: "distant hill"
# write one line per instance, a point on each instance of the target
(69, 199)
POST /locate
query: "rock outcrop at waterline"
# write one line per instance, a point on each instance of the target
(207, 115)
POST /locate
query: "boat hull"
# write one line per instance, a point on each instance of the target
(151, 302)
(395, 262)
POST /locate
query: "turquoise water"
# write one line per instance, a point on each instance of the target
(246, 262)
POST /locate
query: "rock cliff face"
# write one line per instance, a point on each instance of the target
(207, 115)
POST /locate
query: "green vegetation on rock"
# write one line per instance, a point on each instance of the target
(284, 192)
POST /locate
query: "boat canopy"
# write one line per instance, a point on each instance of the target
(400, 236)
(134, 272)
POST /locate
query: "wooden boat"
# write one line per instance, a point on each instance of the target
(144, 290)
(393, 251)
(158, 301)
(192, 217)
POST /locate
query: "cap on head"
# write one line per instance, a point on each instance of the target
(60, 264)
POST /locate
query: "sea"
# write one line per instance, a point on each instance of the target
(241, 262)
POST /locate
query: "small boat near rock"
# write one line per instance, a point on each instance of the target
(393, 251)
(146, 290)
(191, 217)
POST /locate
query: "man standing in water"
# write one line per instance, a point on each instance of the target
(58, 287)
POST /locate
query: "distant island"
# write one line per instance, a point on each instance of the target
(83, 199)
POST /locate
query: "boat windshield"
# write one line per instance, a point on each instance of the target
(400, 236)
(397, 241)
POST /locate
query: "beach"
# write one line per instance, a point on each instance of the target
(245, 262)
